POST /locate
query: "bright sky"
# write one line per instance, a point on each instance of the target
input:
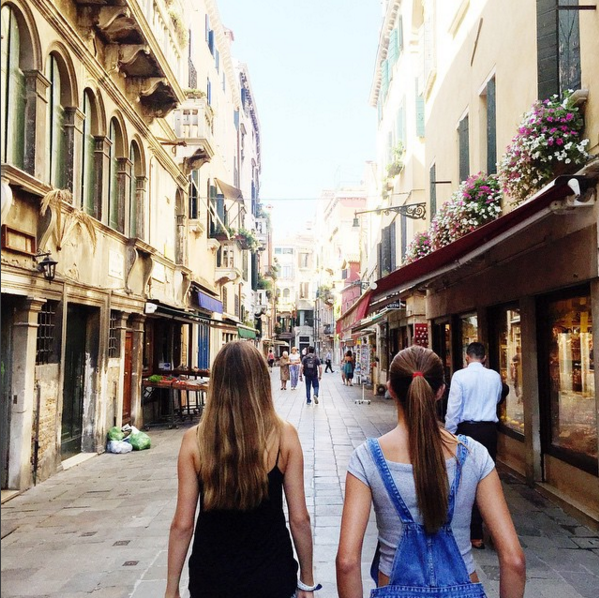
(311, 64)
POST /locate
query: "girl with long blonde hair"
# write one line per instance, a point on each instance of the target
(423, 481)
(235, 466)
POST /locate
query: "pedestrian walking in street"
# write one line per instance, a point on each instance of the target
(271, 359)
(236, 464)
(474, 394)
(328, 363)
(284, 369)
(312, 371)
(348, 368)
(295, 362)
(422, 481)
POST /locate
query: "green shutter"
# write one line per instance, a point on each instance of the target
(547, 48)
(419, 115)
(433, 190)
(464, 145)
(568, 33)
(491, 128)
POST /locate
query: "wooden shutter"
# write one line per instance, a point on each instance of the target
(491, 128)
(404, 236)
(547, 48)
(392, 247)
(568, 39)
(464, 146)
(419, 114)
(433, 190)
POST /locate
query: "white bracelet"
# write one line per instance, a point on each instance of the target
(306, 588)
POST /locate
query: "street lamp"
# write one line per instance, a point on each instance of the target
(415, 211)
(47, 265)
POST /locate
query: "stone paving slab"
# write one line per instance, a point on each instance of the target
(100, 529)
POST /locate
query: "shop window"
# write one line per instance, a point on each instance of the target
(148, 353)
(468, 333)
(506, 357)
(14, 95)
(114, 341)
(46, 334)
(569, 371)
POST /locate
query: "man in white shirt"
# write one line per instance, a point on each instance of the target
(474, 394)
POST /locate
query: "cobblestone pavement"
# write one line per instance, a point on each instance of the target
(100, 529)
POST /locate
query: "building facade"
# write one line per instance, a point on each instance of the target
(526, 283)
(123, 163)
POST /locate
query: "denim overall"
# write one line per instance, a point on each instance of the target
(425, 565)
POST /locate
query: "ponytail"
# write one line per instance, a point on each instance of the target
(416, 374)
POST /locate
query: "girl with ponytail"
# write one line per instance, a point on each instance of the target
(422, 481)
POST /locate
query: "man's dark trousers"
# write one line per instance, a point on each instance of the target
(486, 434)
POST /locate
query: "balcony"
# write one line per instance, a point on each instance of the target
(142, 43)
(225, 274)
(194, 130)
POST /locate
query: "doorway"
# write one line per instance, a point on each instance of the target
(8, 308)
(77, 357)
(126, 419)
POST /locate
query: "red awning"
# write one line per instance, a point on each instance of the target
(354, 314)
(478, 241)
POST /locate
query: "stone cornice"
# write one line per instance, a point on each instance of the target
(96, 70)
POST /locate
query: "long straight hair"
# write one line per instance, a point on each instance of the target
(237, 423)
(415, 375)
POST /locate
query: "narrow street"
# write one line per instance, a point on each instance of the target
(100, 529)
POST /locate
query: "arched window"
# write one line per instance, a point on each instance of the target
(113, 216)
(55, 130)
(286, 293)
(133, 207)
(13, 92)
(88, 169)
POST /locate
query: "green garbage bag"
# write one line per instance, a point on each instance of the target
(139, 441)
(115, 434)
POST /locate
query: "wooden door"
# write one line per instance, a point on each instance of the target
(6, 370)
(127, 378)
(74, 381)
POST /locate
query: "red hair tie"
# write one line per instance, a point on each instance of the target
(416, 374)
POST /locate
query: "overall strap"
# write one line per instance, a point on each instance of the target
(461, 453)
(383, 469)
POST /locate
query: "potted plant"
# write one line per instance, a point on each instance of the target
(548, 143)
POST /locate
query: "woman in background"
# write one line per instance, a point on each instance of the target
(235, 466)
(284, 369)
(294, 367)
(423, 481)
(348, 368)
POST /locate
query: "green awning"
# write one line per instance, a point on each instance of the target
(245, 332)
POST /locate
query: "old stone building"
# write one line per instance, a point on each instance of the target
(130, 152)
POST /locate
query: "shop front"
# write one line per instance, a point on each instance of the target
(527, 286)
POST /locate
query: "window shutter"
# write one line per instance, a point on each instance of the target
(399, 36)
(433, 190)
(404, 236)
(569, 47)
(547, 48)
(392, 247)
(419, 115)
(464, 147)
(87, 159)
(209, 91)
(211, 42)
(491, 128)
(386, 251)
(217, 60)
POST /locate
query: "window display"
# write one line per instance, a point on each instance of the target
(571, 376)
(509, 354)
(469, 330)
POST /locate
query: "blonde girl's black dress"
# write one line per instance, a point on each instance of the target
(244, 553)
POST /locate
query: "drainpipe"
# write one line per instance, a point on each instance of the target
(36, 438)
